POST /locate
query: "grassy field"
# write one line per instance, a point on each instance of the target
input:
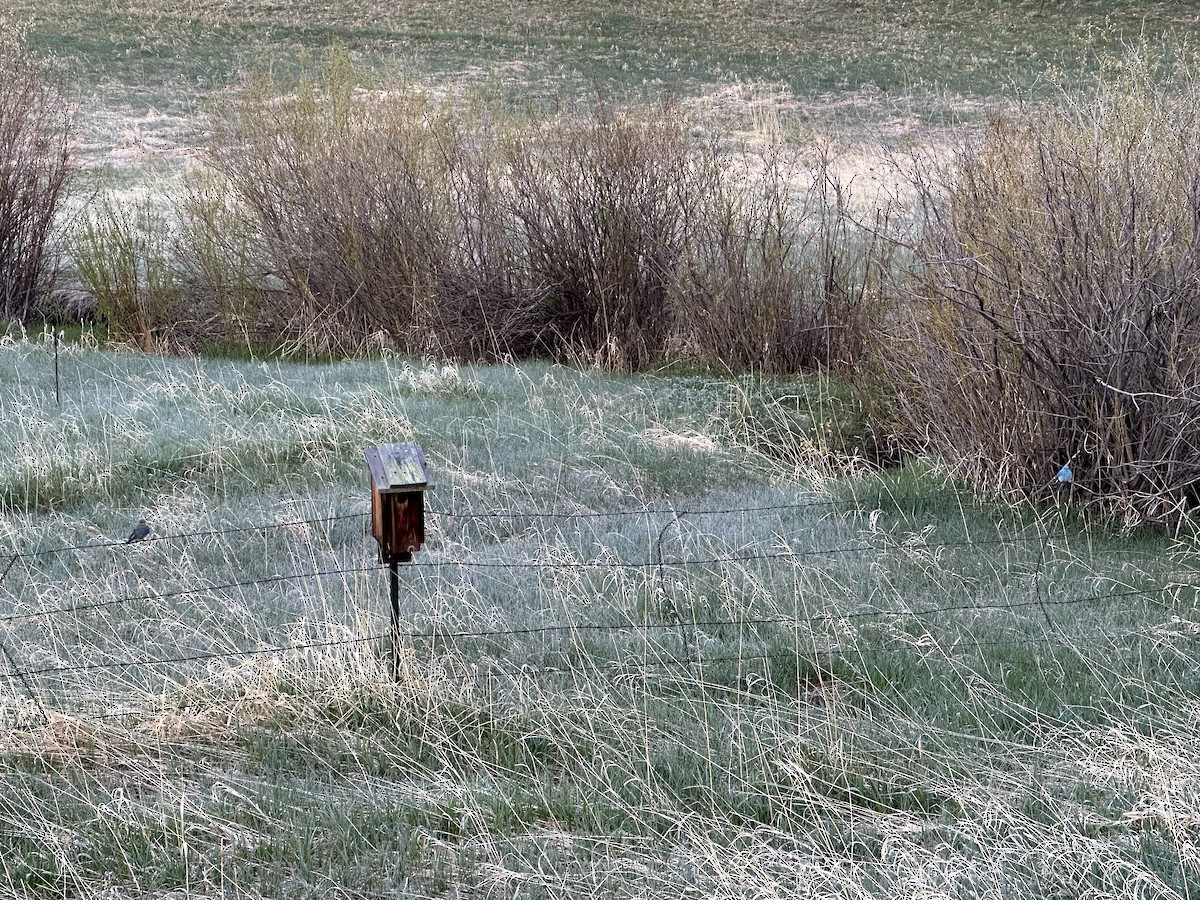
(145, 68)
(658, 646)
(975, 47)
(667, 639)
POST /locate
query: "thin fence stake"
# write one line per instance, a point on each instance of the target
(394, 579)
(57, 385)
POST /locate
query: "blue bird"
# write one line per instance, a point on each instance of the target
(140, 532)
(1065, 475)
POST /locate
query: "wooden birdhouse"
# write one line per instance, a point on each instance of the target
(399, 479)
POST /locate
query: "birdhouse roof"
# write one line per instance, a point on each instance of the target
(397, 467)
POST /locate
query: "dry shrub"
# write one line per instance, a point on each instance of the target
(486, 306)
(384, 216)
(349, 199)
(603, 207)
(124, 254)
(781, 277)
(35, 169)
(219, 255)
(1057, 313)
(613, 238)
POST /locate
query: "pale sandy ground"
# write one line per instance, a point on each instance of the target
(130, 143)
(868, 160)
(125, 141)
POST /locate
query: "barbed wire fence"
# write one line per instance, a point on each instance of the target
(654, 566)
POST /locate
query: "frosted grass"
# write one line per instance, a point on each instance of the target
(834, 695)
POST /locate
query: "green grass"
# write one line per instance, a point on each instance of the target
(887, 59)
(978, 700)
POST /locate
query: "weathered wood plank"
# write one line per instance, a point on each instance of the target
(399, 478)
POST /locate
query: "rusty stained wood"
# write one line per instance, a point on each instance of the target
(398, 520)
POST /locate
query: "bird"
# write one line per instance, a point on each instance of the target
(140, 532)
(1065, 475)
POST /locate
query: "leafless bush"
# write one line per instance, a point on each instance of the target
(219, 254)
(35, 168)
(780, 278)
(613, 238)
(603, 207)
(1058, 300)
(349, 199)
(487, 304)
(124, 254)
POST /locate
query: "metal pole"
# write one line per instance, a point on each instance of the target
(394, 575)
(57, 389)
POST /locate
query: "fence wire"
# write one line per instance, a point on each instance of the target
(24, 675)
